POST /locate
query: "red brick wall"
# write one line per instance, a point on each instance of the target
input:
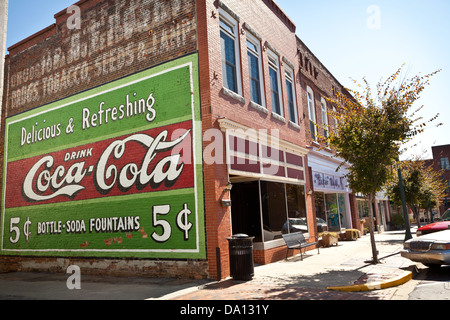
(273, 27)
(438, 153)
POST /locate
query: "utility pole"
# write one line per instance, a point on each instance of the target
(405, 211)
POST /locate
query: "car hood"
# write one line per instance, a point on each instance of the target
(436, 236)
(441, 225)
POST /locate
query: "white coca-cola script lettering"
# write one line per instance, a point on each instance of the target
(68, 183)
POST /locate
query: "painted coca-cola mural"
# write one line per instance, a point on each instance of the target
(113, 171)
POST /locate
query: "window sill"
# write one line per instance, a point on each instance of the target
(293, 125)
(233, 95)
(258, 107)
(278, 117)
(273, 243)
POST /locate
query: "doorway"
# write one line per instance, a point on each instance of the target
(246, 212)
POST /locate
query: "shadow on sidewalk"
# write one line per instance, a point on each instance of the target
(303, 287)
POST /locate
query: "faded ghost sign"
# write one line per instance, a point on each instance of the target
(112, 38)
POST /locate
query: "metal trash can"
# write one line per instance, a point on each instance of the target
(241, 257)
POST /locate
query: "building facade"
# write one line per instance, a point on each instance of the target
(140, 135)
(334, 201)
(441, 156)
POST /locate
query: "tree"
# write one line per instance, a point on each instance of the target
(423, 187)
(371, 130)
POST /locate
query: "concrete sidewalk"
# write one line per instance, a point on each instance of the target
(339, 266)
(344, 268)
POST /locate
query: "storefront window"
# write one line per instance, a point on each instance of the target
(342, 210)
(332, 212)
(273, 203)
(281, 206)
(363, 208)
(320, 205)
(296, 202)
(331, 208)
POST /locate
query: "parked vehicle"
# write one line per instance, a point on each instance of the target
(432, 250)
(441, 225)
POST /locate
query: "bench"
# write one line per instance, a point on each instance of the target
(297, 241)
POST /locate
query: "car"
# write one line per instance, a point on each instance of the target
(432, 250)
(442, 224)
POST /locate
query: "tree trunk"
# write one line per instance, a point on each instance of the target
(416, 211)
(371, 230)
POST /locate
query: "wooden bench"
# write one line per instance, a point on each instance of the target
(297, 241)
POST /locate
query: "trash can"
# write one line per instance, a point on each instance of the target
(241, 257)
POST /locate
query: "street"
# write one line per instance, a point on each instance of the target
(288, 280)
(431, 284)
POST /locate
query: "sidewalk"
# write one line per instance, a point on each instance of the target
(345, 266)
(292, 279)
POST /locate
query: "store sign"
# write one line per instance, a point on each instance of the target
(326, 181)
(109, 172)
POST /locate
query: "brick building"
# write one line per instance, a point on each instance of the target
(334, 202)
(441, 156)
(130, 125)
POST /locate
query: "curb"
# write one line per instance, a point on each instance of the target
(376, 285)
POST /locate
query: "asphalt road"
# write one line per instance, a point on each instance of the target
(431, 284)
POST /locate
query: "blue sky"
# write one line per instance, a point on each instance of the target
(411, 32)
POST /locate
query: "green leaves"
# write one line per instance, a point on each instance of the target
(371, 129)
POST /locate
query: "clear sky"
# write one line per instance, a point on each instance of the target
(372, 39)
(352, 38)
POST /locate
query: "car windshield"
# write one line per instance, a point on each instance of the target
(446, 216)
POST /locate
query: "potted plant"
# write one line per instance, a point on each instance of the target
(352, 234)
(329, 239)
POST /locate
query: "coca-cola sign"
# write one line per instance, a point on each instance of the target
(110, 172)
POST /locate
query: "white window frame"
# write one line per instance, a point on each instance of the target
(324, 116)
(254, 41)
(289, 74)
(233, 24)
(274, 63)
(335, 119)
(311, 109)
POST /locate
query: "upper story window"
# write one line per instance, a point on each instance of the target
(335, 119)
(290, 92)
(274, 74)
(255, 70)
(324, 117)
(230, 52)
(445, 165)
(312, 112)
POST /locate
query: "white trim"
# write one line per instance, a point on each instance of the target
(274, 63)
(289, 74)
(256, 135)
(258, 54)
(229, 20)
(311, 108)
